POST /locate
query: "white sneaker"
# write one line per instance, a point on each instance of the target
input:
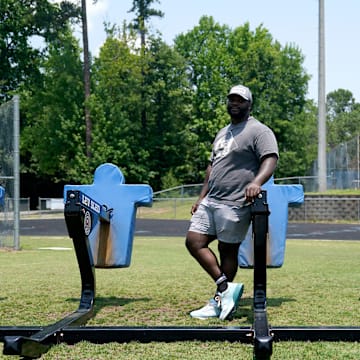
(210, 310)
(230, 299)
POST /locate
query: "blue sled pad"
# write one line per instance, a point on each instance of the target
(111, 244)
(279, 198)
(2, 196)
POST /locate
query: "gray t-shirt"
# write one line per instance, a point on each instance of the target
(235, 159)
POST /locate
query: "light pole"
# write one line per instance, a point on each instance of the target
(321, 103)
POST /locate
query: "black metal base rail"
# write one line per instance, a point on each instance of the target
(95, 334)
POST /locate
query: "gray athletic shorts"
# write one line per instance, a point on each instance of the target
(227, 222)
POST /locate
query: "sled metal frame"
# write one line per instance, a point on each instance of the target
(77, 206)
(33, 341)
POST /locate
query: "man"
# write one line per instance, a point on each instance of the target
(244, 156)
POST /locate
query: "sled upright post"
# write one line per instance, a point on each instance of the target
(262, 335)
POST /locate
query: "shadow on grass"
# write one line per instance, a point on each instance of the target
(101, 302)
(245, 309)
(244, 312)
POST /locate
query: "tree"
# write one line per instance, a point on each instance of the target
(52, 115)
(21, 21)
(297, 160)
(168, 105)
(181, 90)
(219, 57)
(339, 101)
(205, 49)
(143, 13)
(87, 65)
(343, 115)
(117, 106)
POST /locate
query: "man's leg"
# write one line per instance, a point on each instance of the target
(228, 259)
(231, 227)
(197, 242)
(229, 263)
(198, 246)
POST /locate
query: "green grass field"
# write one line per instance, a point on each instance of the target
(319, 284)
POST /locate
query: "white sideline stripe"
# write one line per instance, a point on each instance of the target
(54, 248)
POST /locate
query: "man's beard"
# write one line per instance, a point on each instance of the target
(239, 112)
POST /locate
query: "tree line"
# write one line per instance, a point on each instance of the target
(154, 108)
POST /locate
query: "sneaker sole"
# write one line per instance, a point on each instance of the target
(194, 316)
(237, 295)
(203, 318)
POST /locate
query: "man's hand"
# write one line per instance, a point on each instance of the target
(267, 168)
(194, 208)
(251, 191)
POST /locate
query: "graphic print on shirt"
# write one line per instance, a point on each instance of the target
(222, 146)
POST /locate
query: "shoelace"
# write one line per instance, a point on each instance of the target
(217, 298)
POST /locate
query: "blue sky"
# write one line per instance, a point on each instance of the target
(288, 21)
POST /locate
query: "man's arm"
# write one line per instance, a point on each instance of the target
(204, 190)
(267, 168)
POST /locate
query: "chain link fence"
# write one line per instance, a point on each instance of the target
(9, 173)
(343, 166)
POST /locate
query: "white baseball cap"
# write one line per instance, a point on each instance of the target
(242, 91)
